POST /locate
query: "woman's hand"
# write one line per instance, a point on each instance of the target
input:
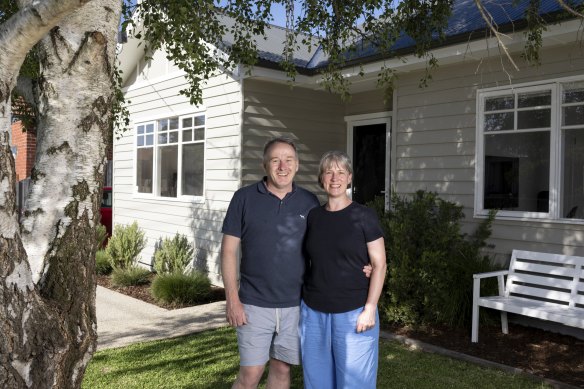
(366, 319)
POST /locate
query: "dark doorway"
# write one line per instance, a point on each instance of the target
(368, 162)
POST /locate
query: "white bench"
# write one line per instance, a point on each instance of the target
(541, 285)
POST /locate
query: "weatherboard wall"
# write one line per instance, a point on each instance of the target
(154, 93)
(434, 142)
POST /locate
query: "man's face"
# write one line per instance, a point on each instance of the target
(281, 166)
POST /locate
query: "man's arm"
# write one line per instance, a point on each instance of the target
(234, 309)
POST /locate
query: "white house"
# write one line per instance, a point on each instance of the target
(480, 134)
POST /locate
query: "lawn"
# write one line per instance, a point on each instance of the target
(209, 360)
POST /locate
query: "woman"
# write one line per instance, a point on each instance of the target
(339, 325)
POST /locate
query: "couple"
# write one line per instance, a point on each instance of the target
(328, 314)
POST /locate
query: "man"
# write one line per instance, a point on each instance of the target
(268, 219)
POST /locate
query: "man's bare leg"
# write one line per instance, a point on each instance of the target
(279, 375)
(248, 377)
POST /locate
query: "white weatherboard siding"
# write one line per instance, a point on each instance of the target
(434, 142)
(155, 95)
(313, 118)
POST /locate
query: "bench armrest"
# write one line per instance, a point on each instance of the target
(490, 274)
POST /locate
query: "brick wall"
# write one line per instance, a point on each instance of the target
(25, 144)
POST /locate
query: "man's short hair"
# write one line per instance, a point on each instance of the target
(279, 139)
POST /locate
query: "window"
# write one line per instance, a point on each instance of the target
(530, 151)
(170, 155)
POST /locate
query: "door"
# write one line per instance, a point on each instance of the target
(370, 161)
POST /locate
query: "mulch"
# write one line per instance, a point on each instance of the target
(542, 353)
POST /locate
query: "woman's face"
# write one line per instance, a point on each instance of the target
(335, 180)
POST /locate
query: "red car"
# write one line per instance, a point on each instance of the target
(106, 209)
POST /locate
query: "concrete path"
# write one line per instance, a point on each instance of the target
(122, 320)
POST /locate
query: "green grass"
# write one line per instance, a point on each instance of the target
(209, 360)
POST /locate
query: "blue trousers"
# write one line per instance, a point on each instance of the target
(334, 355)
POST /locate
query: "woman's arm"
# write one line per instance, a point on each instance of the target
(376, 251)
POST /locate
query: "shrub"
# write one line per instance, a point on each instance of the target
(174, 255)
(131, 276)
(179, 288)
(125, 245)
(430, 262)
(100, 235)
(103, 265)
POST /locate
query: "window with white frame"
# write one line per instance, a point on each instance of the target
(530, 151)
(170, 155)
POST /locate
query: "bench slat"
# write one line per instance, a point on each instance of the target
(569, 316)
(542, 293)
(548, 257)
(538, 280)
(556, 270)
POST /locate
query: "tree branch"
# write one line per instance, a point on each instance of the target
(569, 9)
(26, 27)
(487, 18)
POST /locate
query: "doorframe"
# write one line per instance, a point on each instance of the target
(368, 119)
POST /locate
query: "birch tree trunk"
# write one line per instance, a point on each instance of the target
(47, 279)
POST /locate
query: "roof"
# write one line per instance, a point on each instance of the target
(464, 24)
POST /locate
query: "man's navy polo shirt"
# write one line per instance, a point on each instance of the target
(271, 232)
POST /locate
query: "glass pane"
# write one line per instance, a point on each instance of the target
(106, 199)
(499, 121)
(140, 129)
(538, 118)
(144, 161)
(173, 123)
(573, 115)
(162, 125)
(173, 137)
(500, 103)
(149, 140)
(140, 140)
(168, 167)
(162, 138)
(187, 122)
(149, 128)
(193, 169)
(573, 93)
(199, 120)
(199, 133)
(187, 135)
(516, 174)
(536, 99)
(573, 172)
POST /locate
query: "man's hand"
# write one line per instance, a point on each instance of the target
(366, 319)
(235, 314)
(367, 269)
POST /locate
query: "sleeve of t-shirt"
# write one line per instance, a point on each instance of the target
(234, 217)
(371, 227)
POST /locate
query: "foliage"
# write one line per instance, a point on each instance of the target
(100, 235)
(210, 360)
(179, 288)
(339, 29)
(131, 276)
(125, 245)
(174, 255)
(431, 262)
(103, 264)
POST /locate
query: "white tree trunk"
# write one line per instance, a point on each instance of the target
(48, 327)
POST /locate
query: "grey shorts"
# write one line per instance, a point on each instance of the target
(269, 333)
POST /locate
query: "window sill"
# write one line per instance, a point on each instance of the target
(484, 215)
(158, 199)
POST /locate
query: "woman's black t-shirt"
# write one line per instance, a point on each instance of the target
(336, 252)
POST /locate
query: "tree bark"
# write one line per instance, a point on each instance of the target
(47, 278)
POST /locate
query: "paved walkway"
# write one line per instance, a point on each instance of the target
(122, 320)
